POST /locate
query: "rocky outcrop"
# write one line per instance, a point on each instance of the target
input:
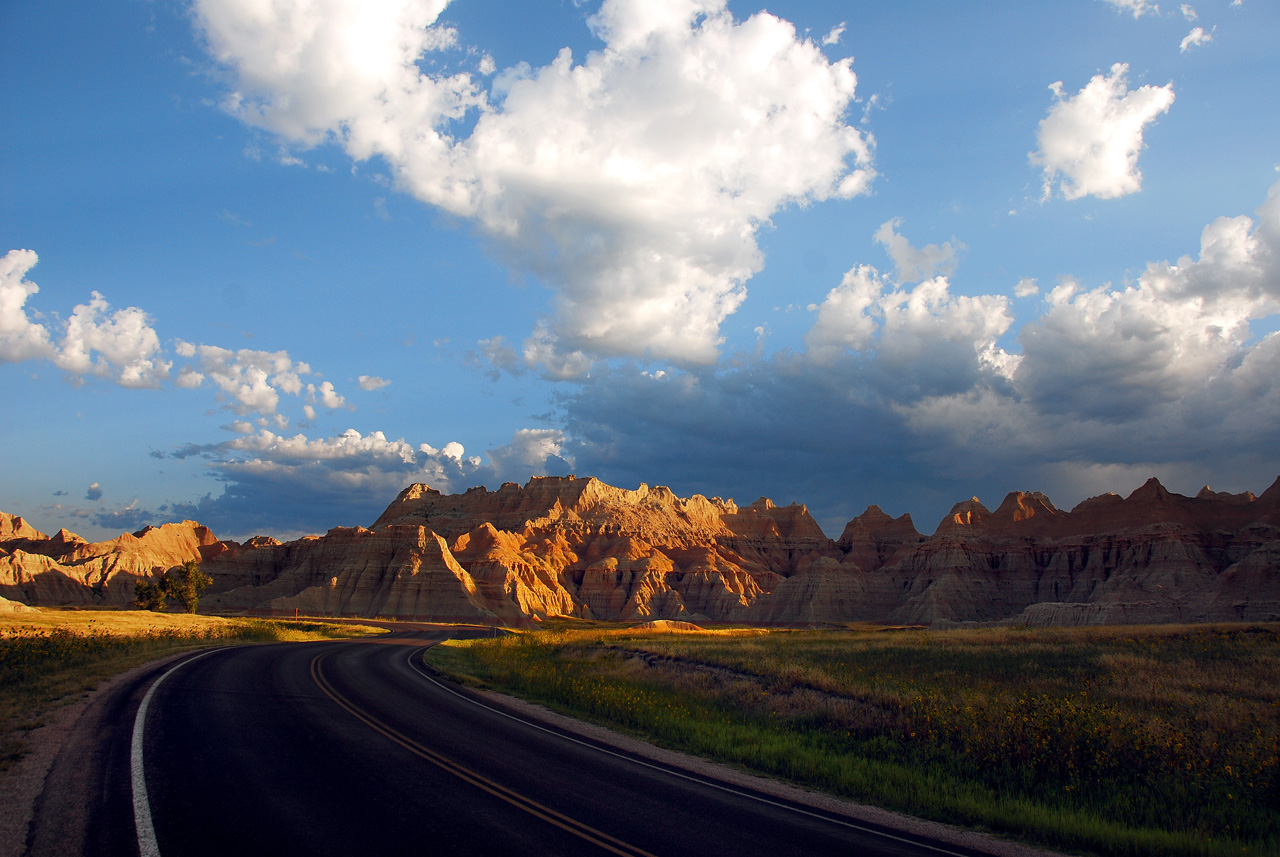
(7, 606)
(562, 546)
(13, 528)
(873, 539)
(67, 570)
(1153, 556)
(554, 547)
(665, 625)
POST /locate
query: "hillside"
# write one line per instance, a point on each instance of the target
(563, 546)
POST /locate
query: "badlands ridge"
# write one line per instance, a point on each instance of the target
(563, 546)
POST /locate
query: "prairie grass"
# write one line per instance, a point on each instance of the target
(52, 657)
(1151, 740)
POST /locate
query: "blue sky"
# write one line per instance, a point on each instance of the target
(269, 263)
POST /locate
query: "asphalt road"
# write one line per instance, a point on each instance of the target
(351, 748)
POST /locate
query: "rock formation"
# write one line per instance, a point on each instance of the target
(562, 546)
(67, 570)
(554, 547)
(1151, 557)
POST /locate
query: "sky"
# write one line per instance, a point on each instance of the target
(268, 262)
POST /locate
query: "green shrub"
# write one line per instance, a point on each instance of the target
(182, 584)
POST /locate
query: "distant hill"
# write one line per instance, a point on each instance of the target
(564, 546)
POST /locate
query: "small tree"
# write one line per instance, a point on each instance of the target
(148, 595)
(185, 583)
(182, 584)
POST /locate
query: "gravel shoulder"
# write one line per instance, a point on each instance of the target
(70, 736)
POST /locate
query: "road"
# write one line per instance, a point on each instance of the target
(351, 748)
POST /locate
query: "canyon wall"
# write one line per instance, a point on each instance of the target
(562, 546)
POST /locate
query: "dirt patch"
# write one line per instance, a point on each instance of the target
(23, 783)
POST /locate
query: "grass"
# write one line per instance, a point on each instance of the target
(1153, 740)
(52, 657)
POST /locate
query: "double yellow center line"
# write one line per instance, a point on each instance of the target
(560, 820)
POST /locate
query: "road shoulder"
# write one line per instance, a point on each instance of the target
(856, 812)
(48, 774)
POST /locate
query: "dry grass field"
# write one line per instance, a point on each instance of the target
(116, 623)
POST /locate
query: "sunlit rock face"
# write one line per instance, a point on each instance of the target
(67, 570)
(563, 546)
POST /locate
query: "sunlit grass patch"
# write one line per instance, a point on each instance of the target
(112, 622)
(1159, 740)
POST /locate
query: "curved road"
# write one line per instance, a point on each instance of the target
(353, 747)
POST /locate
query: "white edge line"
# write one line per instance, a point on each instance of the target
(147, 845)
(673, 772)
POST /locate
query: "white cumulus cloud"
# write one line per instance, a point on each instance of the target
(252, 379)
(923, 339)
(1137, 8)
(95, 340)
(845, 319)
(1195, 38)
(308, 70)
(1118, 353)
(632, 182)
(120, 345)
(1089, 142)
(372, 382)
(529, 451)
(20, 337)
(914, 263)
(123, 346)
(326, 395)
